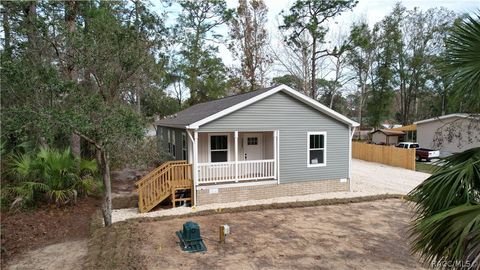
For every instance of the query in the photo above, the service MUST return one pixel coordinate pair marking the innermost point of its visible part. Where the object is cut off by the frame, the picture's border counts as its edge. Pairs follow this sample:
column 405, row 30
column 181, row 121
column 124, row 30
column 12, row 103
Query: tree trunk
column 71, row 10
column 75, row 145
column 313, row 91
column 6, row 29
column 102, row 156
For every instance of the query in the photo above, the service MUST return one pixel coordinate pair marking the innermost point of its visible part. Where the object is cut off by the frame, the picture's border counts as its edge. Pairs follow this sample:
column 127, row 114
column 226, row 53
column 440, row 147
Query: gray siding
column 293, row 119
column 162, row 135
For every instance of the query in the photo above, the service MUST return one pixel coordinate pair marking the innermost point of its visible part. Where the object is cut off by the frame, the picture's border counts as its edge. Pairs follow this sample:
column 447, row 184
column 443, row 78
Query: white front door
column 253, row 146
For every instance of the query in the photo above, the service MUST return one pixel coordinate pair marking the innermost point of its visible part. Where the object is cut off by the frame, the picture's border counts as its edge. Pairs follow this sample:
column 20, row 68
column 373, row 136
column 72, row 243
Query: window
column 252, row 141
column 160, row 132
column 174, row 150
column 316, row 149
column 218, row 148
column 184, row 146
column 169, row 142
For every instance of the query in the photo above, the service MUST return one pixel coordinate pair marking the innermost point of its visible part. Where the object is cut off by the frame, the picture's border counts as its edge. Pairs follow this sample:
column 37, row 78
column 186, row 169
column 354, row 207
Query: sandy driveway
column 381, row 179
column 368, row 178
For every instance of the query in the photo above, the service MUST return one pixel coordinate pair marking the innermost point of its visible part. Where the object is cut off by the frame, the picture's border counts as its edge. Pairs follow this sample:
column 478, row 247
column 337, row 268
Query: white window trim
column 210, row 149
column 324, row 133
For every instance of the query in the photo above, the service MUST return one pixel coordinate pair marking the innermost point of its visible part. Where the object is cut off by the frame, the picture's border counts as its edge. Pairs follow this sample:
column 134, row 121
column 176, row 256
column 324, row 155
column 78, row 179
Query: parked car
column 420, row 153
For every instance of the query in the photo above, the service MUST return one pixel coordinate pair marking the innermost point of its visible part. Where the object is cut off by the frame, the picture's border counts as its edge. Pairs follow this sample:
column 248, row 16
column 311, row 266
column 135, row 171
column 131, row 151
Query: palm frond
column 458, row 182
column 445, row 235
column 89, row 166
column 463, row 59
column 22, row 165
column 62, row 196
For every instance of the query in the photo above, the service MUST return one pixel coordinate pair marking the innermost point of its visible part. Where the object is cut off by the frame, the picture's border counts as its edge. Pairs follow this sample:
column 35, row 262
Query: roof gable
column 200, row 114
column 390, row 132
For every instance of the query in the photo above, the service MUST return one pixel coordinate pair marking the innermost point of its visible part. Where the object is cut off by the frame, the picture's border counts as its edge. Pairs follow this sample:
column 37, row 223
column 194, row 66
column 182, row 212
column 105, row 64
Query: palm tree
column 52, row 174
column 447, row 222
column 463, row 61
column 446, row 227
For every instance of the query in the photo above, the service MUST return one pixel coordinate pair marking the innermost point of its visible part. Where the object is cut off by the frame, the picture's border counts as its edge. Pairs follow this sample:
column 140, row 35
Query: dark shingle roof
column 390, row 132
column 202, row 110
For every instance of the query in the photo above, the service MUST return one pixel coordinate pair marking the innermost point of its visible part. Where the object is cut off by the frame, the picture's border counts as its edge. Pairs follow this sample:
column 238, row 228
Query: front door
column 253, row 146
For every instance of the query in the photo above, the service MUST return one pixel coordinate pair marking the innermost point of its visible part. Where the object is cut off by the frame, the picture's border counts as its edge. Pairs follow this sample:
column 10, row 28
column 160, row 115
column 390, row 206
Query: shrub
column 139, row 154
column 52, row 175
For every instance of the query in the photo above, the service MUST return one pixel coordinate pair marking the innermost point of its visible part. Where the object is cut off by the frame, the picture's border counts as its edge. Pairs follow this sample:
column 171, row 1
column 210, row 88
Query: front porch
column 232, row 157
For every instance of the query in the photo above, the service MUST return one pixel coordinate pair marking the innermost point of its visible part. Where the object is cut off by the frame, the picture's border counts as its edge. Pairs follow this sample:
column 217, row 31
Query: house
column 386, row 136
column 263, row 144
column 450, row 133
column 410, row 132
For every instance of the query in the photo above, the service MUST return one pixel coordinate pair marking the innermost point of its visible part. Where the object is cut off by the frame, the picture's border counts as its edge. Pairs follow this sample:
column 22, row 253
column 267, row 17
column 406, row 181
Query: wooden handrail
column 159, row 184
column 159, row 170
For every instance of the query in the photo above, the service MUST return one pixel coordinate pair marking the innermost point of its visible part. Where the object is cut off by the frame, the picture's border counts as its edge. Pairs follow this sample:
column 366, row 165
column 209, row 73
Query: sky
column 370, row 10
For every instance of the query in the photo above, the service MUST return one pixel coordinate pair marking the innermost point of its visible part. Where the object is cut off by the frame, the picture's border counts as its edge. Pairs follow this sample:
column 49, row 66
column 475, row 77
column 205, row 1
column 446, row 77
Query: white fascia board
column 461, row 115
column 286, row 89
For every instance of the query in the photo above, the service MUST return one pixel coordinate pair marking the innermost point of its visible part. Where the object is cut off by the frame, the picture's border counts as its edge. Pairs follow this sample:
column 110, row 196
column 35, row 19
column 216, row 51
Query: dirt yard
column 33, row 230
column 67, row 256
column 368, row 235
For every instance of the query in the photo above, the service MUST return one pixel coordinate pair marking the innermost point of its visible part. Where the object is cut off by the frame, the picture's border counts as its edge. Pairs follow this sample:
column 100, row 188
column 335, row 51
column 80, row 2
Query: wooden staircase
column 166, row 181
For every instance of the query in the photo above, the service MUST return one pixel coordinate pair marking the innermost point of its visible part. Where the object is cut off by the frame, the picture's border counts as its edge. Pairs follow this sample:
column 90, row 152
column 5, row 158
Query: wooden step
column 164, row 182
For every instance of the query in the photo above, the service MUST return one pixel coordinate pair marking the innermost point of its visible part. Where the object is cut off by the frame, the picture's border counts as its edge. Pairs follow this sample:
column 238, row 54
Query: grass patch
column 425, row 167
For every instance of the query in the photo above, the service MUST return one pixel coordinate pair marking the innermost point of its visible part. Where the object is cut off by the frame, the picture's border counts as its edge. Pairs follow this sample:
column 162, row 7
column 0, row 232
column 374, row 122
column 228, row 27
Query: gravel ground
column 368, row 179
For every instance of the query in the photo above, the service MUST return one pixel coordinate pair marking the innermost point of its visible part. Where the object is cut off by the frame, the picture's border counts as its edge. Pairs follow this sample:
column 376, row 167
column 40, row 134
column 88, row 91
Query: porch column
column 236, row 155
column 352, row 130
column 275, row 154
column 195, row 167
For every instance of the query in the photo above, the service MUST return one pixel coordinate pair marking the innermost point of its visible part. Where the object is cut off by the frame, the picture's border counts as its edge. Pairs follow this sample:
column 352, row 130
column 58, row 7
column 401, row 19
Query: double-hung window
column 169, row 141
column 218, row 148
column 174, row 150
column 184, row 146
column 316, row 149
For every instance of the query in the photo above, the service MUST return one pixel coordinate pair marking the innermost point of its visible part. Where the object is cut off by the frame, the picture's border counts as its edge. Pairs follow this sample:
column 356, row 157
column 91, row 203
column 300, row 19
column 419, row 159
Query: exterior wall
column 259, row 192
column 426, row 135
column 293, row 119
column 379, row 137
column 162, row 135
column 392, row 140
column 203, row 150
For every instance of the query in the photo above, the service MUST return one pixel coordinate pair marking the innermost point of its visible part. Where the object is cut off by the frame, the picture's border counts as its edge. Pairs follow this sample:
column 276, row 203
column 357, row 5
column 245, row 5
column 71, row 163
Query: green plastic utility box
column 190, row 239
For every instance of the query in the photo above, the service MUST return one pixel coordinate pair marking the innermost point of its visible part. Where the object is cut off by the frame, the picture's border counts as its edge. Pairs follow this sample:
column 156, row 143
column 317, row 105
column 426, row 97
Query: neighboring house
column 450, row 133
column 268, row 143
column 362, row 134
column 386, row 136
column 410, row 132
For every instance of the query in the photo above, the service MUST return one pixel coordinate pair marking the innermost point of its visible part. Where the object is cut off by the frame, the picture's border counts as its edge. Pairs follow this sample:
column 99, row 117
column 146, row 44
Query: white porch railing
column 218, row 172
